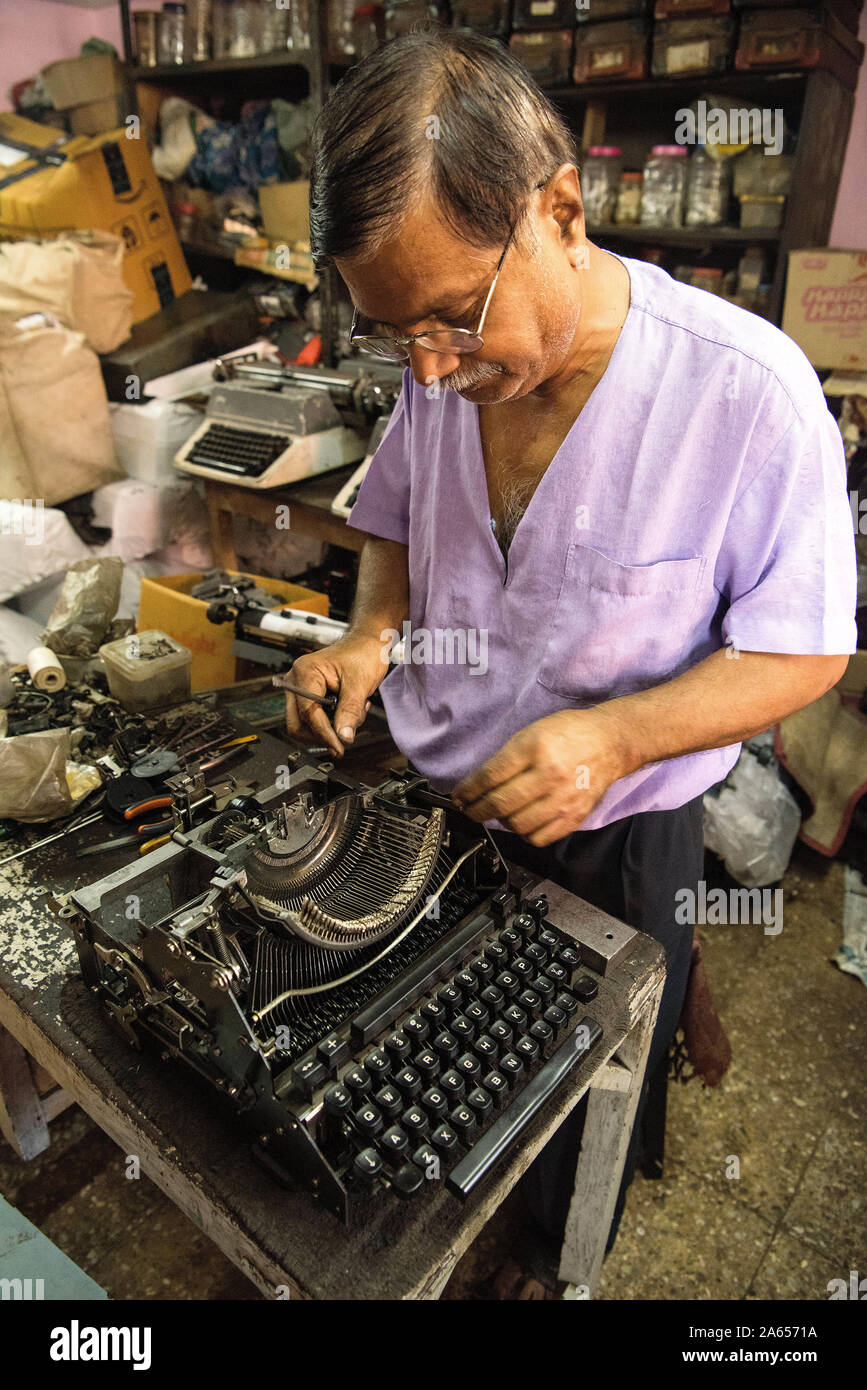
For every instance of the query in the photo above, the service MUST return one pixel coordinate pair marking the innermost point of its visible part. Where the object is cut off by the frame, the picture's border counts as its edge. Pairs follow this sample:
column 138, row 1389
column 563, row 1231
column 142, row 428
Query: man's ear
column 567, row 206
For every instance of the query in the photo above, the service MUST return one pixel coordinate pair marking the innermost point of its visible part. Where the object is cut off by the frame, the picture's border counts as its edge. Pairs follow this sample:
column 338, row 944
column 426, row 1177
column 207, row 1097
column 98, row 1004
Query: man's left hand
column 546, row 780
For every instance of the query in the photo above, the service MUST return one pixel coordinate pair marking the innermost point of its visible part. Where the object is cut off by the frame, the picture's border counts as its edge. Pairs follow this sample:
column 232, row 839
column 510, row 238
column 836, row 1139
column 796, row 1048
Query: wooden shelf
column 683, row 236
column 726, row 82
column 216, row 67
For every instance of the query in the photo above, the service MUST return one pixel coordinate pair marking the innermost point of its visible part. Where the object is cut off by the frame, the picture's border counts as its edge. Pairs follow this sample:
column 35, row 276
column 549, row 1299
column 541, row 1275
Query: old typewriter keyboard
column 447, row 1087
column 248, row 452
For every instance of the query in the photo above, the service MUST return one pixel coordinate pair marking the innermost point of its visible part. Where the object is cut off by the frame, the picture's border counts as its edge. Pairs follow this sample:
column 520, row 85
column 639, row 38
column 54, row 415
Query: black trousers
column 632, row 869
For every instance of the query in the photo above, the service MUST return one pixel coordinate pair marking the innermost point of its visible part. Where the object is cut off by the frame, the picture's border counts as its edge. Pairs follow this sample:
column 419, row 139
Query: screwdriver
column 328, row 702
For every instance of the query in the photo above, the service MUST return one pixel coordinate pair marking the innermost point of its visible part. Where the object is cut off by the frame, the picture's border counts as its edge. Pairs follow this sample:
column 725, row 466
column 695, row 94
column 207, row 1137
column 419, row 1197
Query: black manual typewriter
column 352, row 969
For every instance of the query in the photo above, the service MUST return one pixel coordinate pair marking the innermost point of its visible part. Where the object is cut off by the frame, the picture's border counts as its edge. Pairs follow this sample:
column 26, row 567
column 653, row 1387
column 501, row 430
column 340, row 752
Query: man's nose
column 426, row 364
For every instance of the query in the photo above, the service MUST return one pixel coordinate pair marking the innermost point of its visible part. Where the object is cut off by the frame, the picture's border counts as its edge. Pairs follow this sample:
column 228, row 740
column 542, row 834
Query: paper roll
column 45, row 670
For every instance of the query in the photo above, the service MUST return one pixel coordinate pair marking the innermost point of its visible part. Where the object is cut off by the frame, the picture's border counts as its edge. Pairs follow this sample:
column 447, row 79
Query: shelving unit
column 640, row 114
column 232, row 73
column 635, row 115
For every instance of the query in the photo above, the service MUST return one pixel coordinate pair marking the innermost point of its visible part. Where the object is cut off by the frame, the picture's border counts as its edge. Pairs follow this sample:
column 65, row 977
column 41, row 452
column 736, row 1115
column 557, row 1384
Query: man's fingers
column 511, row 760
column 308, row 722
column 507, row 798
column 351, row 710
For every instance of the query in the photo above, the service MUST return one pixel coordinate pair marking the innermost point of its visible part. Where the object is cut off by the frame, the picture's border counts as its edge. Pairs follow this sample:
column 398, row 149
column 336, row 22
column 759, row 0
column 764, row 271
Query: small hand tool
column 328, row 702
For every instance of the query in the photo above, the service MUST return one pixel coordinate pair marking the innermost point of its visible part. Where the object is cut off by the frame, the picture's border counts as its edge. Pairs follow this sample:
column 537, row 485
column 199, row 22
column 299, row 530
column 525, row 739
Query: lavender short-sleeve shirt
column 698, row 501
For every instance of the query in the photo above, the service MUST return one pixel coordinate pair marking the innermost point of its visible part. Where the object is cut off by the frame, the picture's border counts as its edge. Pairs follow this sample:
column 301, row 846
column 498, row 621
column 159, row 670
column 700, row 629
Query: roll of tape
column 45, row 670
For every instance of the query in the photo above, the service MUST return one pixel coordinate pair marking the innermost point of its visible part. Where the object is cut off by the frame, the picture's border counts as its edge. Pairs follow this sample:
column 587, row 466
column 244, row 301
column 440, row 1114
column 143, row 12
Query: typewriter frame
column 155, row 984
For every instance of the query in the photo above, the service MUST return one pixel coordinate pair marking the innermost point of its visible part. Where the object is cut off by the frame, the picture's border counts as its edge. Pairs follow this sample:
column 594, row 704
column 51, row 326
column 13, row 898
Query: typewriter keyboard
column 238, row 451
column 466, row 1061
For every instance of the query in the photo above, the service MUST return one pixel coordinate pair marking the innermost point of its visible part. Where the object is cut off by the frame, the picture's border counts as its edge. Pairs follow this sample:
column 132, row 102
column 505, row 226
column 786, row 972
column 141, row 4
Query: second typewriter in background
column 353, row 972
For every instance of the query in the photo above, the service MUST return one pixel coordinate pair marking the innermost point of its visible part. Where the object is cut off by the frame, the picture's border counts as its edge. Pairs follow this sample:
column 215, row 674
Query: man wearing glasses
column 633, row 488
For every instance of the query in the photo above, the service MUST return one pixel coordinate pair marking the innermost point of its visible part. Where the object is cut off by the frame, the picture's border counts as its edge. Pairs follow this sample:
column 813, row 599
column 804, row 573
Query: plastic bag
column 752, row 820
column 87, row 604
column 33, row 785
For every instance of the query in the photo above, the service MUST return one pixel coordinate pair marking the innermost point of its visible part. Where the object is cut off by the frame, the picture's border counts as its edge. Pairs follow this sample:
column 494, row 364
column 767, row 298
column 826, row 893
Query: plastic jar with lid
column 172, row 41
column 628, row 209
column 600, row 179
column 662, row 193
column 146, row 44
column 708, row 188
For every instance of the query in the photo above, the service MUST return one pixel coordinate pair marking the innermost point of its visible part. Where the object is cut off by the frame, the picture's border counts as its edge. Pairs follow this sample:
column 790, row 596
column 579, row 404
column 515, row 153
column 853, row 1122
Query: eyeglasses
column 447, row 340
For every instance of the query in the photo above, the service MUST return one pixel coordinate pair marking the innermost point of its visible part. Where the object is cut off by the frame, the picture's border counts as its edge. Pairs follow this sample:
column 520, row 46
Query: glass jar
column 341, row 47
column 402, row 15
column 299, row 24
column 146, row 28
column 600, row 180
column 274, row 30
column 172, row 44
column 628, row 209
column 200, row 26
column 663, row 189
column 244, row 28
column 368, row 29
column 707, row 190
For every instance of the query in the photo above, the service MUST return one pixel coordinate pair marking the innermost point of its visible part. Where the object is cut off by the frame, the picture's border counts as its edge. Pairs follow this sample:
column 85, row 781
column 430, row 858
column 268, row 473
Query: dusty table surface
column 195, row 1150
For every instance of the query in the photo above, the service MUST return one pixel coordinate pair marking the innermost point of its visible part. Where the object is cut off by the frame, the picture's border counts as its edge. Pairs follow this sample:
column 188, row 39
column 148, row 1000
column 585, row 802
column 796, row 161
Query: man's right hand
column 352, row 668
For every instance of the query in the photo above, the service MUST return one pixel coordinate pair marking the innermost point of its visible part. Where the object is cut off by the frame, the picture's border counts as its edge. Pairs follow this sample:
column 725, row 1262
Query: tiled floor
column 791, row 1112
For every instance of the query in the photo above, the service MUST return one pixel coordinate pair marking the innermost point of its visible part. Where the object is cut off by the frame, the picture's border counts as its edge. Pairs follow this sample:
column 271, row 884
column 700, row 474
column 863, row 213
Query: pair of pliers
column 149, row 833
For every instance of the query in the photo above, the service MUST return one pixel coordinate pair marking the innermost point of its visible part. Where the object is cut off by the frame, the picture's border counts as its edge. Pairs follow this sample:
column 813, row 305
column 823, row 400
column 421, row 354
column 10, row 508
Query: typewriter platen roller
column 352, row 970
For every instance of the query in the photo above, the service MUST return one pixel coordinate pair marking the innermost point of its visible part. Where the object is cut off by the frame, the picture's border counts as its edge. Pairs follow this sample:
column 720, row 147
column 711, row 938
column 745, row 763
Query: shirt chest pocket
column 619, row 628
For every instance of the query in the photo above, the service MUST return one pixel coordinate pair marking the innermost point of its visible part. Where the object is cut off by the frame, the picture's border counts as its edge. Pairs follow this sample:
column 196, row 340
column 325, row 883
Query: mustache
column 465, row 378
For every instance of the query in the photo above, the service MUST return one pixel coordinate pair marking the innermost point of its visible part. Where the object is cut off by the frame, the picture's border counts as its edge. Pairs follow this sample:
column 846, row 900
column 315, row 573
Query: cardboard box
column 166, row 603
column 94, row 117
column 285, row 210
column 73, row 81
column 825, row 308
column 105, row 181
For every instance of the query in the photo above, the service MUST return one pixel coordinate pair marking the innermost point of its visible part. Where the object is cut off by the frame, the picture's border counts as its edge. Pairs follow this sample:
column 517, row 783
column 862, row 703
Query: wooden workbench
column 201, row 1158
column 309, row 504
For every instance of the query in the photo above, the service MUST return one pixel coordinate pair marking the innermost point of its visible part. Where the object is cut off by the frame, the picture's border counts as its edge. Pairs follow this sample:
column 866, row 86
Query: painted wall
column 849, row 228
column 35, row 32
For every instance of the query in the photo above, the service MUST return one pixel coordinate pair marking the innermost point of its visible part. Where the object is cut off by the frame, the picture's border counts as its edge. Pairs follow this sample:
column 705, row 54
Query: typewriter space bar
column 504, row 1131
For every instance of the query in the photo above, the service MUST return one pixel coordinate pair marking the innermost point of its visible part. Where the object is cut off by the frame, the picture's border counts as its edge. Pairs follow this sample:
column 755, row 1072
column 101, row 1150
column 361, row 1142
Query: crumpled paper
column 84, row 612
column 33, row 785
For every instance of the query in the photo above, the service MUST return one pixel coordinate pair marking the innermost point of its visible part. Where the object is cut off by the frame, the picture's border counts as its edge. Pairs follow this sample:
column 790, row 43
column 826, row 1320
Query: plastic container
column 146, row 27
column 200, row 27
column 708, row 186
column 606, row 51
column 664, row 187
column 547, row 55
column 299, row 25
column 274, row 33
column 692, row 45
column 594, row 11
column 757, row 211
column 489, row 17
column 172, row 34
column 402, row 15
column 752, row 270
column 600, row 181
column 543, row 14
column 759, row 172
column 147, row 669
column 674, row 9
column 628, row 209
column 799, row 38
